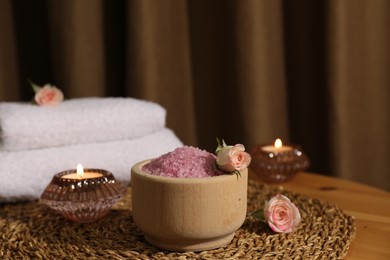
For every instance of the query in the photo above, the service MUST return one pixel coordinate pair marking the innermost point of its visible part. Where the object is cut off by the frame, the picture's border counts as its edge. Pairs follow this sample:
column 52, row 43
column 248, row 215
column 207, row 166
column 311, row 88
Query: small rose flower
column 232, row 158
column 48, row 95
column 281, row 214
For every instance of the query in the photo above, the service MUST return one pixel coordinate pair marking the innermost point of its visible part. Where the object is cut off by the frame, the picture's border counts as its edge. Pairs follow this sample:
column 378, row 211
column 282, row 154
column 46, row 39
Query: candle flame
column 278, row 143
column 80, row 170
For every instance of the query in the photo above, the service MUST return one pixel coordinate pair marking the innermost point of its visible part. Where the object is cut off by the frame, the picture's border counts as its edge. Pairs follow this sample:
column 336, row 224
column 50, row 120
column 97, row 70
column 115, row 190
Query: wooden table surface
column 370, row 207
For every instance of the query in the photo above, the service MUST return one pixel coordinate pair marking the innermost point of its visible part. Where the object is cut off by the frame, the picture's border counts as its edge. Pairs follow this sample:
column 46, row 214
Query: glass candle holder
column 278, row 165
column 83, row 199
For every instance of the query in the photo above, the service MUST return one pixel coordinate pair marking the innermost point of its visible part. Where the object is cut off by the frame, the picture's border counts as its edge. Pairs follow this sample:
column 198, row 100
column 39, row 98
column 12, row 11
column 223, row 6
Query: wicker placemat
column 32, row 230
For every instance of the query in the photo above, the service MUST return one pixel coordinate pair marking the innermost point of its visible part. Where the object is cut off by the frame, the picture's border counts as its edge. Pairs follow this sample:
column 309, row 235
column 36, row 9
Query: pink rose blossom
column 48, row 95
column 281, row 214
column 233, row 158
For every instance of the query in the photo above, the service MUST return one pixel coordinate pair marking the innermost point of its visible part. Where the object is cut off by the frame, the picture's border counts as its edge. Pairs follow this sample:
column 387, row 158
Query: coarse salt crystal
column 184, row 162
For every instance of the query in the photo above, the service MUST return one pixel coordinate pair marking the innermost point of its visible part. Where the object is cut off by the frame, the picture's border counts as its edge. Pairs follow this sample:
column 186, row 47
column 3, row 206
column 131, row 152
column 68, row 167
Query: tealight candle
column 278, row 163
column 83, row 195
column 278, row 147
column 80, row 174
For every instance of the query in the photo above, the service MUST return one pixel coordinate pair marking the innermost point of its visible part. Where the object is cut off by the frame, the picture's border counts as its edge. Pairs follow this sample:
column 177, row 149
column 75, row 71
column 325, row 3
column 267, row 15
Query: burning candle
column 83, row 195
column 278, row 163
column 80, row 174
column 278, row 147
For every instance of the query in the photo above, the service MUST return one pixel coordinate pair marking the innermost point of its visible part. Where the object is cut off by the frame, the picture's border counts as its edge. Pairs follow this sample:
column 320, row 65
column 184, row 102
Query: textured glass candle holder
column 83, row 200
column 278, row 166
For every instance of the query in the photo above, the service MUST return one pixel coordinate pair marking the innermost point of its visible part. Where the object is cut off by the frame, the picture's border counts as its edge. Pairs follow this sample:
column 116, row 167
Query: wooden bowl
column 188, row 214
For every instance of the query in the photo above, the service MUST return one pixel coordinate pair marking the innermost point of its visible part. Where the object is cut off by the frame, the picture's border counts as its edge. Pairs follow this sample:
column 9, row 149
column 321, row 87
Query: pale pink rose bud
column 281, row 214
column 233, row 158
column 48, row 95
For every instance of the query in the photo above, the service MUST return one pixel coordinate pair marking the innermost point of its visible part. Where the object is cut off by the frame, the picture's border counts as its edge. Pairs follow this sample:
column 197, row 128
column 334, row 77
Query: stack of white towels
column 37, row 142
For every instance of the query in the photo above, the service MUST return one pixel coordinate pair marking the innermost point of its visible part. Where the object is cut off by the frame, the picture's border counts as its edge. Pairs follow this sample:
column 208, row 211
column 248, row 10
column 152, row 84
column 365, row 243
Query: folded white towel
column 77, row 121
column 25, row 174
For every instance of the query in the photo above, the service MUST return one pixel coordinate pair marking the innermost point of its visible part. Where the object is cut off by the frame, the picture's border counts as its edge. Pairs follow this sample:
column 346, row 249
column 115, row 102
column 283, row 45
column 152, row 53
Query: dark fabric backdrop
column 315, row 73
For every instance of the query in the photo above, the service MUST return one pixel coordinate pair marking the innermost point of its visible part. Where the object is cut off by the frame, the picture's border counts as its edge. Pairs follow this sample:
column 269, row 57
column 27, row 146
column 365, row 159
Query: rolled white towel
column 25, row 174
column 26, row 126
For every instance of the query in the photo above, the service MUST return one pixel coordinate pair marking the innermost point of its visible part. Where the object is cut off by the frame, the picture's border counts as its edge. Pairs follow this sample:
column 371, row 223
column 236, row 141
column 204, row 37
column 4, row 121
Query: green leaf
column 219, row 147
column 238, row 173
column 218, row 142
column 34, row 86
column 259, row 214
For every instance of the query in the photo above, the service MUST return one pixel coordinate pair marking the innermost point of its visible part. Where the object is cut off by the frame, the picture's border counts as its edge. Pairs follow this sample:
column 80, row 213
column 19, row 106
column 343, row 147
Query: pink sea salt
column 184, row 162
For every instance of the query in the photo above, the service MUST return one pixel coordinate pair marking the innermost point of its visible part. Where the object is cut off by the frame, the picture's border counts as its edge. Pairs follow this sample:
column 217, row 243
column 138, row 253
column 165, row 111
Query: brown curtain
column 314, row 73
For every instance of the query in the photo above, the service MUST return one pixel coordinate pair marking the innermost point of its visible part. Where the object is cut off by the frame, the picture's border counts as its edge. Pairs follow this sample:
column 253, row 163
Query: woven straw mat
column 34, row 231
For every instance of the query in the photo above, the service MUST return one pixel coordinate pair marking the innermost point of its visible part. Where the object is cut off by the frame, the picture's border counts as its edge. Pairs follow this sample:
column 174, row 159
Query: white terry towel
column 25, row 174
column 26, row 126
